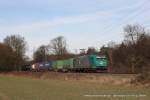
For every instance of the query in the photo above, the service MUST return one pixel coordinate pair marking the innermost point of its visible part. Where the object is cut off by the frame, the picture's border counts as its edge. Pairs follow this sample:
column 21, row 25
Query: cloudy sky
column 84, row 23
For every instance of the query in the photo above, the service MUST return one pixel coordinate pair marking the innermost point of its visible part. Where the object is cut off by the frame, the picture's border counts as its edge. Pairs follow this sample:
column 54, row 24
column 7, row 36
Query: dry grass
column 100, row 78
column 67, row 86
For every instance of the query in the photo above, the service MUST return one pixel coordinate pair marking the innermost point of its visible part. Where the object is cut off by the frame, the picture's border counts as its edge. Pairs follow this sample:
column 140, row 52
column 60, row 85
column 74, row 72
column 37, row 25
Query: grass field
column 23, row 88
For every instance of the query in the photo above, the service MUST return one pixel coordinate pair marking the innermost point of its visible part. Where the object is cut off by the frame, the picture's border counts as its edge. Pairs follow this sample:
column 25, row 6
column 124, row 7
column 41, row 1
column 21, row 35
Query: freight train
column 81, row 63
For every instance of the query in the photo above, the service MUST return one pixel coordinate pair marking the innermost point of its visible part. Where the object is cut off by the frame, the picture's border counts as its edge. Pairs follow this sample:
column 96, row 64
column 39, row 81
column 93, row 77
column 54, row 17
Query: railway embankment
column 99, row 78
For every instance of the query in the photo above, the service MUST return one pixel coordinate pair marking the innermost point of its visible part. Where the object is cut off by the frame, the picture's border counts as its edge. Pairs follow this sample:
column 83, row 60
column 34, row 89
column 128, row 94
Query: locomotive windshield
column 101, row 61
column 101, row 57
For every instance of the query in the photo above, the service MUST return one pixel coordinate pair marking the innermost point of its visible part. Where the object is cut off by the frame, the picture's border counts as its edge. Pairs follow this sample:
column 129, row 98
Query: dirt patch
column 4, row 97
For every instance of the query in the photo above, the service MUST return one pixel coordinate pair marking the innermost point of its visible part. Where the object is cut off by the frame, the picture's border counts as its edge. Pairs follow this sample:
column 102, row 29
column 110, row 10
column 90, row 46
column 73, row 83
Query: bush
column 143, row 78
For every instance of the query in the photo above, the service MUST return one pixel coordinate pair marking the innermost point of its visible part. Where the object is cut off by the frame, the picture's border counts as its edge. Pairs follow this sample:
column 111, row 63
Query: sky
column 84, row 23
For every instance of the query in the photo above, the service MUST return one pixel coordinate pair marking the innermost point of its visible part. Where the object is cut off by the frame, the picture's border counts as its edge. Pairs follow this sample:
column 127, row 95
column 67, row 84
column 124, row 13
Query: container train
column 81, row 63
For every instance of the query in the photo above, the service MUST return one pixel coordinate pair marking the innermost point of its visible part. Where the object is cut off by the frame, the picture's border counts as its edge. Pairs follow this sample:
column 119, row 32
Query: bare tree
column 133, row 33
column 58, row 46
column 18, row 45
column 41, row 54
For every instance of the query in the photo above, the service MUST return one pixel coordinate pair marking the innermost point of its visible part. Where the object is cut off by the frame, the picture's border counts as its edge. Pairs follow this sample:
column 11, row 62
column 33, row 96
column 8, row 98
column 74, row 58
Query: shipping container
column 58, row 64
column 68, row 64
column 82, row 62
column 42, row 66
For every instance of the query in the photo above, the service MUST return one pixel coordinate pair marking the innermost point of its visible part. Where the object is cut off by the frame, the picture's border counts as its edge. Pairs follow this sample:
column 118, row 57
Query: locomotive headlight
column 33, row 66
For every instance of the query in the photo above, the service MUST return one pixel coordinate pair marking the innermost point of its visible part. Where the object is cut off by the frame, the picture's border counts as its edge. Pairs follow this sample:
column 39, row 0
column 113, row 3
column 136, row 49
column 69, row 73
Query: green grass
column 20, row 88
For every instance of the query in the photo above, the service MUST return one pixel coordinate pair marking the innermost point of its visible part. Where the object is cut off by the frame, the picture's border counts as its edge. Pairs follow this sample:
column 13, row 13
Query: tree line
column 130, row 56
